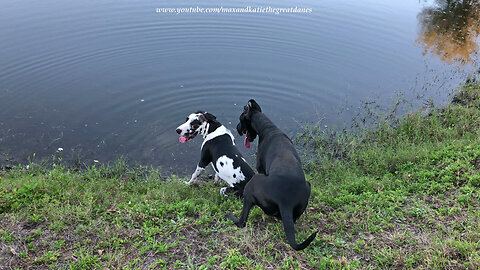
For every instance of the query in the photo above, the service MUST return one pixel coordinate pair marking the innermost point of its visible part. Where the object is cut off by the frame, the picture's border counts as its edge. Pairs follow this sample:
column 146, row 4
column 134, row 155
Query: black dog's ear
column 246, row 109
column 254, row 105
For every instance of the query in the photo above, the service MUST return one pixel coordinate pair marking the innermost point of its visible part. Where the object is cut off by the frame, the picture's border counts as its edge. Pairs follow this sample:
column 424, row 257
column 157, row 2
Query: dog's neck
column 260, row 122
column 207, row 128
column 212, row 127
column 220, row 130
column 203, row 129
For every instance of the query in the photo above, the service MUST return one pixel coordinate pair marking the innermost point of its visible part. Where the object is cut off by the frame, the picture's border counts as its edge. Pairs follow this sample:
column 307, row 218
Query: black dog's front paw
column 231, row 217
column 235, row 220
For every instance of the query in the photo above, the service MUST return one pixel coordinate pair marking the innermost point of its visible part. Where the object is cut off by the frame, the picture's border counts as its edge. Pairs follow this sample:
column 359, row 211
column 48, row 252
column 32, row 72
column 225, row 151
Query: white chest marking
column 222, row 130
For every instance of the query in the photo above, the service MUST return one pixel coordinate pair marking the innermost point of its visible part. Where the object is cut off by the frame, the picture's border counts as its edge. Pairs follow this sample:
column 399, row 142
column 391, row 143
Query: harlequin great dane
column 218, row 148
column 279, row 189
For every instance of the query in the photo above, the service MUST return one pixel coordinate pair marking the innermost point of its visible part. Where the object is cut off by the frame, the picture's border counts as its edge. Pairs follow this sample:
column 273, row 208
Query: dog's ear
column 210, row 117
column 253, row 105
column 246, row 109
column 201, row 117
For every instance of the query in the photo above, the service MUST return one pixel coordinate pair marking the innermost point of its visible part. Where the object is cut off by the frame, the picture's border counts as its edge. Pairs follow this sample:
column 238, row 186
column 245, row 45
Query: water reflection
column 450, row 30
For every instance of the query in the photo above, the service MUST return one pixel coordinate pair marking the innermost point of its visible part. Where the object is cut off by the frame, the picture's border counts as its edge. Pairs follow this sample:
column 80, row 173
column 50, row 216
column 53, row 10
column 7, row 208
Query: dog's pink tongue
column 247, row 143
column 182, row 139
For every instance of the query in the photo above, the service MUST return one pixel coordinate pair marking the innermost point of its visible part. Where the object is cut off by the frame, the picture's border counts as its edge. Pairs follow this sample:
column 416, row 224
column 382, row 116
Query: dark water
column 102, row 79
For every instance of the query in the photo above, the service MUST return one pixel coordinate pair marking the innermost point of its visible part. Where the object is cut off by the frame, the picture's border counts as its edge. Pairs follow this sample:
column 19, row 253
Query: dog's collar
column 221, row 130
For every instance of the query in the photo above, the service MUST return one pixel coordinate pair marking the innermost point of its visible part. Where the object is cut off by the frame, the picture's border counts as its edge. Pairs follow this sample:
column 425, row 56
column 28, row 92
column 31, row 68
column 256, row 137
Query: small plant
column 85, row 260
column 48, row 258
column 235, row 260
column 7, row 237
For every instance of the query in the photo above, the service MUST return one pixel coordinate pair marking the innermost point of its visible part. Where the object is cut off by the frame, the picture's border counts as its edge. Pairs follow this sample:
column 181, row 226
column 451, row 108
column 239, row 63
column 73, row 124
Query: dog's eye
column 195, row 123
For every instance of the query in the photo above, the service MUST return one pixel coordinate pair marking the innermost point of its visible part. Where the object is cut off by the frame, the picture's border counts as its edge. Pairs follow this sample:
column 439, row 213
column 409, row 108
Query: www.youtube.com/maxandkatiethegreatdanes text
column 247, row 9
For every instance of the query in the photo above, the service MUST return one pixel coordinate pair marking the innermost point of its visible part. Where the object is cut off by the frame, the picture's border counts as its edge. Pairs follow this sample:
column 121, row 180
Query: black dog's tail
column 288, row 227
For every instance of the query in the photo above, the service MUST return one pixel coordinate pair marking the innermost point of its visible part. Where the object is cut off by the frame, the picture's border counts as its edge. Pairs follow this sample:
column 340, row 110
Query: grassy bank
column 403, row 195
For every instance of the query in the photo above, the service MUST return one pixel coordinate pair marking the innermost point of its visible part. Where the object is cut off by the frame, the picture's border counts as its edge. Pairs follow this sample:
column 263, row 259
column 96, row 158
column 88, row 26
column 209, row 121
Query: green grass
column 402, row 194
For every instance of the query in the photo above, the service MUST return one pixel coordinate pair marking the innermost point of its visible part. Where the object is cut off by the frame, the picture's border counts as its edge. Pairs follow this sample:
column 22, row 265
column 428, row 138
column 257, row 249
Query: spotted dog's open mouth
column 184, row 139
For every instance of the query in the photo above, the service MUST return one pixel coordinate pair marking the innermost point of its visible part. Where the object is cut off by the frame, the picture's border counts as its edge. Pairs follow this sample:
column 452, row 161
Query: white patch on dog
column 223, row 191
column 221, row 130
column 227, row 172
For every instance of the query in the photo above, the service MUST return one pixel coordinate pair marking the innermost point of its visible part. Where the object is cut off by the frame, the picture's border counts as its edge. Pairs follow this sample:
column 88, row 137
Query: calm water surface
column 102, row 79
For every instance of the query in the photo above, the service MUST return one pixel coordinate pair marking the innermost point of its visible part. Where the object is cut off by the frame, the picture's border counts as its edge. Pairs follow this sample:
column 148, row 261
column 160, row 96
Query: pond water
column 103, row 79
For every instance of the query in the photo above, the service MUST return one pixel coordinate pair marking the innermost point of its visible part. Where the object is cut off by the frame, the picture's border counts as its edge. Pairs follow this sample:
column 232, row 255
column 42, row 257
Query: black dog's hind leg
column 240, row 222
column 249, row 200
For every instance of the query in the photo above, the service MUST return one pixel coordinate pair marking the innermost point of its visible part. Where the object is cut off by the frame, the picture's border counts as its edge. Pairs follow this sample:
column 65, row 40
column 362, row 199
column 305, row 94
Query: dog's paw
column 192, row 181
column 217, row 179
column 230, row 216
column 235, row 220
column 223, row 191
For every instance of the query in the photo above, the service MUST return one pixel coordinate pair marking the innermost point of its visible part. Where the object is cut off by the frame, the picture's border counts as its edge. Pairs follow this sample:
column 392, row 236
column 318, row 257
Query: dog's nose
column 179, row 131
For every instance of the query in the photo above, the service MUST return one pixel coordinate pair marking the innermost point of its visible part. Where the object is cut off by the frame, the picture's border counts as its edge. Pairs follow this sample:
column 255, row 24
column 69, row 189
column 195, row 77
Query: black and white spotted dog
column 219, row 149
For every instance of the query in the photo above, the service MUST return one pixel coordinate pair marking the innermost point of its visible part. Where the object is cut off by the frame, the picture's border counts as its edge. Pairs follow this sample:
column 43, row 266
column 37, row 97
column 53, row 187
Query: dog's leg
column 204, row 161
column 240, row 222
column 228, row 190
column 248, row 201
column 217, row 179
column 195, row 174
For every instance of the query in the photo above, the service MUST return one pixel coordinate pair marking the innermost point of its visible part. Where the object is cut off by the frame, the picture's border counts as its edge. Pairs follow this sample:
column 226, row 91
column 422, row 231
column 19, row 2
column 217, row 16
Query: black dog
column 219, row 149
column 279, row 189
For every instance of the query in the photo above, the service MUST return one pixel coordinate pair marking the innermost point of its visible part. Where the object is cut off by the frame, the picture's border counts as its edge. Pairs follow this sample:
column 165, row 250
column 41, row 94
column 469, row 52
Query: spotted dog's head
column 196, row 123
column 245, row 127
